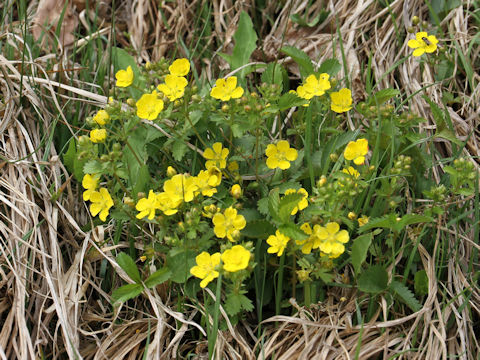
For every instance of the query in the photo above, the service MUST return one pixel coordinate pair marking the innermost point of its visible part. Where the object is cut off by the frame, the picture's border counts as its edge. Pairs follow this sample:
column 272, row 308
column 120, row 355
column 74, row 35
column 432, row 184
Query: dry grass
column 51, row 300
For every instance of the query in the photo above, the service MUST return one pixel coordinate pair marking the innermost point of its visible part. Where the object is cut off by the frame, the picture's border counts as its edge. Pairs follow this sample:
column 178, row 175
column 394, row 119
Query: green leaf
column 262, row 206
column 382, row 96
column 179, row 149
column 70, row 156
column 404, row 293
column 92, row 167
column 287, row 204
column 293, row 231
column 126, row 292
column 289, row 100
column 258, row 229
column 129, row 266
column 273, row 203
column 448, row 135
column 301, row 58
column 330, row 66
column 359, row 251
column 437, row 113
column 236, row 303
column 179, row 262
column 158, row 277
column 373, row 280
column 245, row 43
column 390, row 222
column 143, row 179
column 273, row 74
column 421, row 283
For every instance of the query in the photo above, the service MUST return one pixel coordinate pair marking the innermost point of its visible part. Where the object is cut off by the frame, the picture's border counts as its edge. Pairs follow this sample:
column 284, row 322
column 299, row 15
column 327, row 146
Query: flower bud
column 131, row 102
column 415, row 20
column 148, row 65
column 83, row 140
column 236, row 191
column 304, row 275
column 322, row 181
column 128, row 201
column 171, row 172
column 333, row 157
column 225, row 108
column 351, row 215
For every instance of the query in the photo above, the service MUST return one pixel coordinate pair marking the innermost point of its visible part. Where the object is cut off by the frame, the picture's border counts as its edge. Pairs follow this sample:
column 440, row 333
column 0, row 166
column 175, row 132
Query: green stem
column 308, row 150
column 278, row 296
column 307, row 293
column 212, row 338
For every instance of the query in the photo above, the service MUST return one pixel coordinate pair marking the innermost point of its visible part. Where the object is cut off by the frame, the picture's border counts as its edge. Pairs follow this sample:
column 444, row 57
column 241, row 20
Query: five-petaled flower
column 277, row 243
column 174, row 87
column 226, row 89
column 216, row 156
column 280, row 155
column 124, row 77
column 205, row 268
column 356, row 151
column 181, row 188
column 341, row 101
column 147, row 206
column 313, row 241
column 236, row 258
column 90, row 183
column 332, row 239
column 228, row 224
column 101, row 202
column 363, row 220
column 101, row 117
column 206, row 183
column 423, row 43
column 303, row 203
column 98, row 135
column 149, row 106
column 180, row 67
column 314, row 86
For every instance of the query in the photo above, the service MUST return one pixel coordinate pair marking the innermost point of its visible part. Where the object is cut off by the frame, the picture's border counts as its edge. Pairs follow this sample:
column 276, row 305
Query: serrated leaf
column 448, row 135
column 373, row 280
column 289, row 100
column 262, row 206
column 258, row 229
column 245, row 43
column 411, row 219
column 330, row 66
column 92, row 167
column 405, row 295
column 273, row 203
column 158, row 277
column 143, row 178
column 359, row 251
column 301, row 58
column 126, row 292
column 287, row 204
column 233, row 304
column 246, row 303
column 421, row 283
column 180, row 261
column 292, row 231
column 129, row 266
column 437, row 113
column 179, row 149
column 382, row 96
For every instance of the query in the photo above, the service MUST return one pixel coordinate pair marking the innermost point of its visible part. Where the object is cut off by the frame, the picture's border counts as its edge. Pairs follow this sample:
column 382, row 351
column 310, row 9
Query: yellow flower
column 226, row 89
column 233, row 166
column 180, row 187
column 124, row 77
column 171, row 171
column 236, row 258
column 341, row 101
column 313, row 241
column 356, row 151
column 101, row 117
column 294, row 92
column 304, row 275
column 206, row 183
column 280, row 155
column 228, row 224
column 101, row 203
column 98, row 135
column 147, row 206
column 216, row 156
column 89, row 183
column 236, row 191
column 303, row 203
column 180, row 67
column 149, row 106
column 423, row 43
column 351, row 171
column 314, row 86
column 277, row 243
column 214, row 171
column 363, row 220
column 167, row 204
column 205, row 268
column 332, row 239
column 174, row 87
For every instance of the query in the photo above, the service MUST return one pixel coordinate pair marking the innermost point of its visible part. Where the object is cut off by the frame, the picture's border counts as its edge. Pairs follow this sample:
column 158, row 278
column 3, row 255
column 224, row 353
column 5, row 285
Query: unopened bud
column 236, row 191
column 171, row 172
column 131, row 102
column 351, row 215
column 415, row 20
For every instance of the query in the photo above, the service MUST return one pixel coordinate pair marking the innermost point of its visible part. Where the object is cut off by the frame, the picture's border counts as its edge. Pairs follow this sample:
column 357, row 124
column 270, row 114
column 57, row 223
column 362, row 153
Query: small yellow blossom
column 210, row 210
column 149, row 106
column 98, row 135
column 304, row 275
column 101, row 117
column 332, row 239
column 171, row 171
column 227, row 223
column 341, row 101
column 236, row 191
column 167, row 204
column 101, row 202
column 303, row 203
column 351, row 215
column 216, row 156
column 124, row 77
column 147, row 206
column 277, row 243
column 363, row 220
column 423, row 43
column 356, row 151
column 352, row 172
column 214, row 171
column 280, row 155
column 143, row 258
column 294, row 92
column 226, row 89
column 313, row 241
column 236, row 258
column 205, row 268
column 314, row 86
column 179, row 67
column 89, row 183
column 174, row 87
column 205, row 183
column 180, row 187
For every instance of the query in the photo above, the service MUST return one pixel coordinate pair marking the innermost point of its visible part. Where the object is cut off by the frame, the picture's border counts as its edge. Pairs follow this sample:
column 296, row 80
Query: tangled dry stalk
column 51, row 298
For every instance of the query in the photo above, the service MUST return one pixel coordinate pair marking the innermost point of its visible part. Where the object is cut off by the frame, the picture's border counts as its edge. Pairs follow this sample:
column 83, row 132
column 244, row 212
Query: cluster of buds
column 270, row 90
column 401, row 165
column 437, row 193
